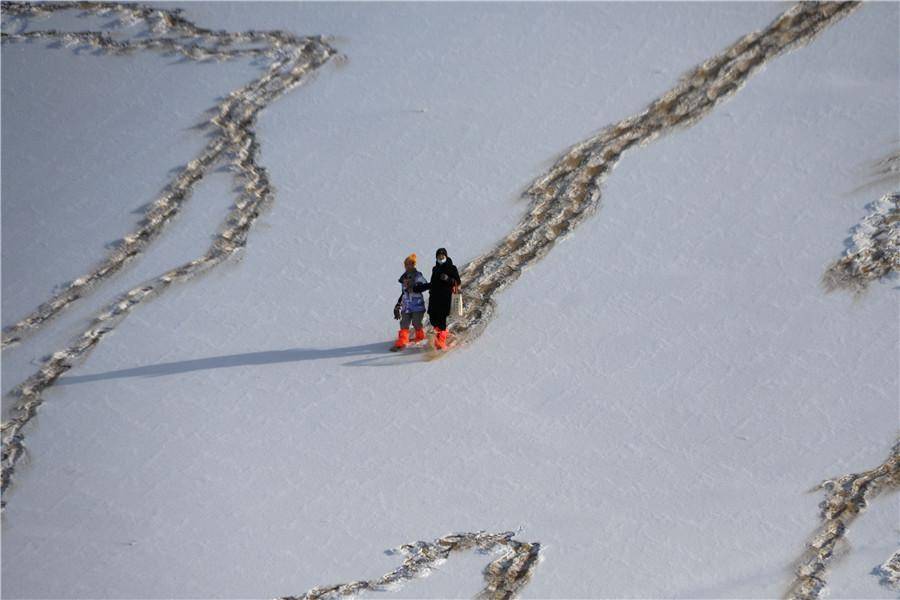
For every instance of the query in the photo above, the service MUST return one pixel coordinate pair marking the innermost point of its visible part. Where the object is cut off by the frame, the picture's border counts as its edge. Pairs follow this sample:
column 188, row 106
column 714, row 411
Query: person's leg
column 440, row 330
column 403, row 334
column 417, row 323
column 439, row 321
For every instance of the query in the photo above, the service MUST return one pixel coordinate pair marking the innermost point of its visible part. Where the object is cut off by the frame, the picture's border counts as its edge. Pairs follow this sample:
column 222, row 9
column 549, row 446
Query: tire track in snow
column 848, row 497
column 504, row 577
column 875, row 250
column 234, row 140
column 569, row 193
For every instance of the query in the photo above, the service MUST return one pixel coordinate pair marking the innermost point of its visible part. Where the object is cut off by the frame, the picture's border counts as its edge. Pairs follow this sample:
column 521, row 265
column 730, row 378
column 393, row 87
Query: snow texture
column 652, row 400
column 848, row 497
column 875, row 250
column 889, row 572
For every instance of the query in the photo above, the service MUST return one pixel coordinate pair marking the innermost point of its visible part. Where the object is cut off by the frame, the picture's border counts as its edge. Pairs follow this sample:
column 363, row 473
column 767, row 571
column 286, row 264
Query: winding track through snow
column 560, row 201
column 292, row 58
column 570, row 192
column 848, row 497
column 234, row 140
column 504, row 577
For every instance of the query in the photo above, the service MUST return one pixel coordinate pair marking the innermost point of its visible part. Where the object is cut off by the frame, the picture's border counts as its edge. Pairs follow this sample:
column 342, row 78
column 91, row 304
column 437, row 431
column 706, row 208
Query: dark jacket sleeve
column 421, row 284
column 455, row 275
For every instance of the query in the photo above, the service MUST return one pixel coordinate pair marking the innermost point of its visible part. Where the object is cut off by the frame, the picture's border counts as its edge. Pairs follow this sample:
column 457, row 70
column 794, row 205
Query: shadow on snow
column 372, row 355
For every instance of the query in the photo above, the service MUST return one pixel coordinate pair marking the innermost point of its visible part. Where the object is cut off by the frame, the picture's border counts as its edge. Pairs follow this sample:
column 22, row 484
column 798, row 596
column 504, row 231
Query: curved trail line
column 875, row 252
column 290, row 59
column 560, row 200
column 504, row 577
column 233, row 140
column 564, row 197
column 848, row 497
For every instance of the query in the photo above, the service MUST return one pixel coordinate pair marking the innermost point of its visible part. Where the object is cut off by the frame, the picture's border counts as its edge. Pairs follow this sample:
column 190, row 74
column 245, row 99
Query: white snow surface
column 653, row 402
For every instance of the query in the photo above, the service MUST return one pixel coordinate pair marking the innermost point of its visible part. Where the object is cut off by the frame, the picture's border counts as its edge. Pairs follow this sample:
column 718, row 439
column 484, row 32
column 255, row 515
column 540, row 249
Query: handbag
column 456, row 302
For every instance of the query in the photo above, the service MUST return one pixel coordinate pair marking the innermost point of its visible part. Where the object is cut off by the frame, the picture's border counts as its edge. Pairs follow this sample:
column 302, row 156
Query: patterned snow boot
column 420, row 334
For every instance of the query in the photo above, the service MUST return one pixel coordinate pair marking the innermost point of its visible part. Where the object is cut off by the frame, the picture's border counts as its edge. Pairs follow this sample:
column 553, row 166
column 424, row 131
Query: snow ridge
column 234, row 141
column 875, row 250
column 569, row 193
column 848, row 497
column 889, row 572
column 291, row 59
column 504, row 577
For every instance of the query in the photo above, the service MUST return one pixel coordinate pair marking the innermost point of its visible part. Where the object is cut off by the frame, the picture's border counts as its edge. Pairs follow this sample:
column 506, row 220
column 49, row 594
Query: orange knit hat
column 411, row 257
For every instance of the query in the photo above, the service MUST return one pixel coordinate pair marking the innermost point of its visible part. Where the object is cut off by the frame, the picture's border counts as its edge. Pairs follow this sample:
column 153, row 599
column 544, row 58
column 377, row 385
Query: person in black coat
column 444, row 279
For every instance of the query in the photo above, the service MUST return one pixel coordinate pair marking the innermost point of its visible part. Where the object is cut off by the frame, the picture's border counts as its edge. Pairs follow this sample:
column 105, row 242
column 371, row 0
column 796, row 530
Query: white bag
column 456, row 304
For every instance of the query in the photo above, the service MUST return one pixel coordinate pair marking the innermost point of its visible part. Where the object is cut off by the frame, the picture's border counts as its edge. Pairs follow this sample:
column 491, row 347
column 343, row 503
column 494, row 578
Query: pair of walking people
column 410, row 307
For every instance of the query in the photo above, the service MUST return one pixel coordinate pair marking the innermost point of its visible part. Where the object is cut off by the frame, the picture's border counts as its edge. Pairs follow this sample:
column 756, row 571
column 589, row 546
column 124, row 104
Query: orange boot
column 420, row 334
column 440, row 339
column 402, row 339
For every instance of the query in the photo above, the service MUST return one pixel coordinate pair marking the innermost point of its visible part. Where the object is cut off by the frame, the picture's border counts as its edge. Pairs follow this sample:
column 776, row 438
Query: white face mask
column 441, row 261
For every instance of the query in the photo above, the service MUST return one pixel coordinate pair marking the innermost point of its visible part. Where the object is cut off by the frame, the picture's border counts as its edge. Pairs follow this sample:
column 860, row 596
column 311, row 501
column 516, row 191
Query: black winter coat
column 440, row 289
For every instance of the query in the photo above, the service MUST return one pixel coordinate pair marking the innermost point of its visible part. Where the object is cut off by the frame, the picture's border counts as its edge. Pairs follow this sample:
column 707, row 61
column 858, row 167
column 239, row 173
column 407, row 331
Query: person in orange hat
column 410, row 307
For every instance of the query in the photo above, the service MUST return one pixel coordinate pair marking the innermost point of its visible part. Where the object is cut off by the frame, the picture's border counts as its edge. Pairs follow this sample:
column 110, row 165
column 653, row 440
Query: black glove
column 397, row 312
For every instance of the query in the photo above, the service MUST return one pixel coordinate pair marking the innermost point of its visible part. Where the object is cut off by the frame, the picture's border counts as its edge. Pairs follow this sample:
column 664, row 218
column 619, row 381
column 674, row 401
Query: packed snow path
column 560, row 200
column 889, row 572
column 504, row 577
column 875, row 250
column 570, row 192
column 848, row 496
column 233, row 141
column 522, row 260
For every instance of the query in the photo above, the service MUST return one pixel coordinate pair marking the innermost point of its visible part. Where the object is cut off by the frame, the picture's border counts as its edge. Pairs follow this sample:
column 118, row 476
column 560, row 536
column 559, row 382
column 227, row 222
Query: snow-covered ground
column 652, row 402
